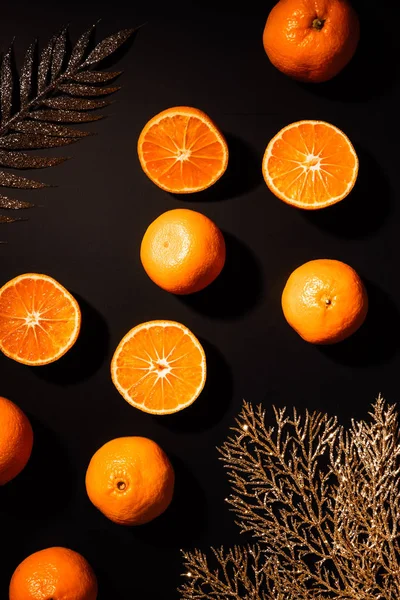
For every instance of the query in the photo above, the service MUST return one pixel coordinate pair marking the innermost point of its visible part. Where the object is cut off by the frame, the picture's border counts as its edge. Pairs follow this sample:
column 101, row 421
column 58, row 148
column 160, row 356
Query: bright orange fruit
column 311, row 40
column 130, row 480
column 16, row 440
column 183, row 251
column 310, row 164
column 159, row 367
column 182, row 151
column 39, row 319
column 325, row 301
column 54, row 574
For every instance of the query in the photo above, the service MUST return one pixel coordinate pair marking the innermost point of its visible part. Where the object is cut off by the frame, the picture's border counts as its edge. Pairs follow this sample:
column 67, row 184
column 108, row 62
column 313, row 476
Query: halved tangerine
column 182, row 151
column 159, row 367
column 310, row 164
column 39, row 319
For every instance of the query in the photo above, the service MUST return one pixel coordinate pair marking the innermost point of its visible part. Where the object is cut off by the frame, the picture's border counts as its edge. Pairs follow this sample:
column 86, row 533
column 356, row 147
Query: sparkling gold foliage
column 322, row 502
column 58, row 86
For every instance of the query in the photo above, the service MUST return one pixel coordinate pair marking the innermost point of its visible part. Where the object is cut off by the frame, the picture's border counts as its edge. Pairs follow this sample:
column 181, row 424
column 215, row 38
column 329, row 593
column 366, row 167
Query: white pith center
column 161, row 367
column 312, row 162
column 183, row 154
column 32, row 319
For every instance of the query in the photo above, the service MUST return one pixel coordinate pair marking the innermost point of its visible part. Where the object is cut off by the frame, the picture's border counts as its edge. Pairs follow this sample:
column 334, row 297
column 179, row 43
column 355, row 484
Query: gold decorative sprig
column 322, row 502
column 240, row 573
column 61, row 88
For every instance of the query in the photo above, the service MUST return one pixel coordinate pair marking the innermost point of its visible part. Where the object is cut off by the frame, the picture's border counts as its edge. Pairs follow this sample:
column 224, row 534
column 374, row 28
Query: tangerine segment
column 310, row 164
column 159, row 367
column 182, row 151
column 39, row 319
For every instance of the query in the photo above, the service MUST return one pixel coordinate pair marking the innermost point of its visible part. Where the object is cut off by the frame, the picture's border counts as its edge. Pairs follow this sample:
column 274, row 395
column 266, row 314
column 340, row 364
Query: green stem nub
column 318, row 24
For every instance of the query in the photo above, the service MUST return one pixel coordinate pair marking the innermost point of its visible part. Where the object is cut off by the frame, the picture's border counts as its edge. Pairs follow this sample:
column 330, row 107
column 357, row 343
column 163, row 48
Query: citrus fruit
column 159, row 367
column 54, row 574
column 39, row 319
column 325, row 301
column 130, row 480
column 183, row 251
column 16, row 440
column 310, row 164
column 311, row 40
column 182, row 151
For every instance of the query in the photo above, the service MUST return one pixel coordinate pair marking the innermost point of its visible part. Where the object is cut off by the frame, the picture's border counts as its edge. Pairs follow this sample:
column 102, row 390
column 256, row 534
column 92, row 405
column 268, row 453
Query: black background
column 87, row 232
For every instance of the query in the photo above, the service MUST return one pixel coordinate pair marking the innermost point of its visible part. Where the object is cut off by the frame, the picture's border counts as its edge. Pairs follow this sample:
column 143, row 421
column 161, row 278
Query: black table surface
column 87, row 231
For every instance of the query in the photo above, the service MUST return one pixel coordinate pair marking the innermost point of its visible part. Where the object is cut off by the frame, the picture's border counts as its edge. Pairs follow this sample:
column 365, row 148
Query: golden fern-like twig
column 323, row 504
column 60, row 87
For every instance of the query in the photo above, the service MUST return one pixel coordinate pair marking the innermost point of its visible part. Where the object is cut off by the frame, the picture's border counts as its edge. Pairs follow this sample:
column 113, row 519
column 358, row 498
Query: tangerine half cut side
column 310, row 165
column 39, row 319
column 159, row 367
column 182, row 151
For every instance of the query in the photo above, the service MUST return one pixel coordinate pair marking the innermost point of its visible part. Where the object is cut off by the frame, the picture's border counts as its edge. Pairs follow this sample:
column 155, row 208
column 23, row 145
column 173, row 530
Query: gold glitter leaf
column 108, row 46
column 60, row 91
column 68, row 103
column 97, row 76
column 7, row 219
column 11, row 203
column 21, row 160
column 65, row 116
column 25, row 80
column 76, row 89
column 58, row 55
column 322, row 502
column 50, row 129
column 33, row 141
column 15, row 181
column 6, row 89
column 80, row 49
column 44, row 65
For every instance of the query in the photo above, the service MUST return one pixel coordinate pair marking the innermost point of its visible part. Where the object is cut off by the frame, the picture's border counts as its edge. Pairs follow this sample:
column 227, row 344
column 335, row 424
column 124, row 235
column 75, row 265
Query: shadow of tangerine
column 376, row 342
column 364, row 210
column 372, row 70
column 243, row 174
column 214, row 401
column 238, row 288
column 180, row 526
column 48, row 476
column 87, row 354
column 170, row 529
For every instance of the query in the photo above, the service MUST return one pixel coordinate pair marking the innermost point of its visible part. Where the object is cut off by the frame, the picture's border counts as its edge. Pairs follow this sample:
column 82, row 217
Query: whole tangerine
column 16, row 440
column 183, row 251
column 325, row 301
column 311, row 40
column 130, row 480
column 54, row 573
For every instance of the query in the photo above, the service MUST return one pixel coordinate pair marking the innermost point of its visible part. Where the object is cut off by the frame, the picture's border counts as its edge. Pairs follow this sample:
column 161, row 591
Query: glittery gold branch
column 323, row 504
column 62, row 88
column 238, row 573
